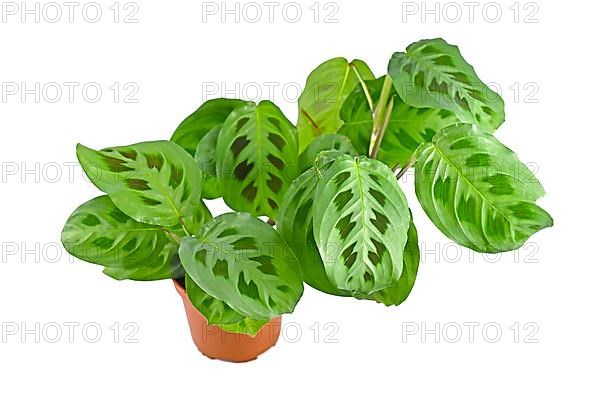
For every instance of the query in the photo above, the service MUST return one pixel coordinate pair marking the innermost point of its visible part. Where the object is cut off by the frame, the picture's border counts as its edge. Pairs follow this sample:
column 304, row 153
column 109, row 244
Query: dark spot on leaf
column 464, row 143
column 116, row 165
column 524, row 210
column 462, row 102
column 247, row 289
column 242, row 170
column 241, row 122
column 377, row 195
column 273, row 204
column 277, row 163
column 476, row 94
column 342, row 199
column 344, row 226
column 419, row 79
column 341, row 178
column 265, row 264
column 128, row 153
column 186, row 192
column 274, row 183
column 379, row 247
column 466, row 211
column 479, row 160
column 374, row 178
column 238, row 145
column 501, row 184
column 227, row 232
column 284, row 288
column 349, row 255
column 244, row 243
column 277, row 140
column 176, row 176
column 487, row 110
column 428, row 134
column 367, row 276
column 272, row 303
column 130, row 245
column 460, row 77
column 381, row 222
column 137, row 184
column 249, row 192
column 154, row 161
column 439, row 88
column 90, row 220
column 221, row 269
column 444, row 114
column 150, row 202
column 275, row 123
column 103, row 242
column 428, row 50
column 200, row 256
column 444, row 60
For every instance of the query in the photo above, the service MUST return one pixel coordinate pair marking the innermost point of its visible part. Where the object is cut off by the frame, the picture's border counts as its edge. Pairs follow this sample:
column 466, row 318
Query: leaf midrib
column 471, row 184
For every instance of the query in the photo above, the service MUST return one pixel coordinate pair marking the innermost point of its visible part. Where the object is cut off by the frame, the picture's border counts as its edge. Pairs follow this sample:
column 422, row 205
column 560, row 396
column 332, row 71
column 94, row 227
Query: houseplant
column 337, row 218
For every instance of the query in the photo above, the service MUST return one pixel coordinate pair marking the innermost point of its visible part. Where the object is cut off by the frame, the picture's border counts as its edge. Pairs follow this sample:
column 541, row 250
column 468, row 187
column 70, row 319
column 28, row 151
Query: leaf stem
column 183, row 226
column 173, row 236
column 411, row 162
column 364, row 87
column 380, row 115
column 382, row 129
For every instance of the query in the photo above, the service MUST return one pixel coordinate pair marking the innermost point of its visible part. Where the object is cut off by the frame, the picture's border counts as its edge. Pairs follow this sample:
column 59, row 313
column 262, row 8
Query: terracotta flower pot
column 215, row 343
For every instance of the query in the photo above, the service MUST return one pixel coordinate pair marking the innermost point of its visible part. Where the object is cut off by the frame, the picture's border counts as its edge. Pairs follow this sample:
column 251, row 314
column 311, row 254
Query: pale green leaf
column 477, row 192
column 153, row 182
column 256, row 159
column 244, row 262
column 321, row 100
column 98, row 232
column 361, row 220
column 433, row 74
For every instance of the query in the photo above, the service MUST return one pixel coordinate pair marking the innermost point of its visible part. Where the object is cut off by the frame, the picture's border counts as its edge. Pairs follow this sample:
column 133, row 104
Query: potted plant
column 336, row 217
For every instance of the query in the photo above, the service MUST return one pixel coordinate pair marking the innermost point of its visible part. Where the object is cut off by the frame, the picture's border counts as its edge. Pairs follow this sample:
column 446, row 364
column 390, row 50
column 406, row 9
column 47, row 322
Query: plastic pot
column 215, row 343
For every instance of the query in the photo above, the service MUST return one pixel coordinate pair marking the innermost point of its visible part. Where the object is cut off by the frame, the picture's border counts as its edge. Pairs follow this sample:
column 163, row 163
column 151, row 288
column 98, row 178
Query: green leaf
column 326, row 89
column 205, row 158
column 99, row 233
column 395, row 295
column 218, row 313
column 433, row 74
column 360, row 224
column 210, row 114
column 257, row 157
column 477, row 192
column 295, row 223
column 155, row 183
column 407, row 129
column 322, row 143
column 244, row 262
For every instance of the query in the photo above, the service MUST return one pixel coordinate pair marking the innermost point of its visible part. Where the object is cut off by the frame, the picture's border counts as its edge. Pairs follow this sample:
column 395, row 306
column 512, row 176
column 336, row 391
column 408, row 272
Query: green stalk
column 364, row 87
column 381, row 117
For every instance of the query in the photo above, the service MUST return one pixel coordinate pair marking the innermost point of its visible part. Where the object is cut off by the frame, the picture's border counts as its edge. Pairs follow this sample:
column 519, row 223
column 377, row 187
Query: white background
column 176, row 59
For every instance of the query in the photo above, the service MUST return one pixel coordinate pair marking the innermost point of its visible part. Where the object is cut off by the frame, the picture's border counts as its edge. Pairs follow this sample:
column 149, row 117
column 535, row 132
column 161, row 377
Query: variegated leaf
column 433, row 74
column 244, row 262
column 98, row 232
column 477, row 192
column 256, row 159
column 153, row 182
column 361, row 220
